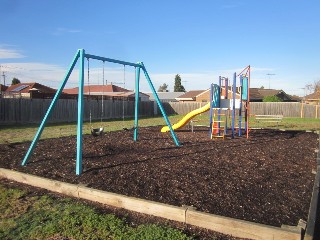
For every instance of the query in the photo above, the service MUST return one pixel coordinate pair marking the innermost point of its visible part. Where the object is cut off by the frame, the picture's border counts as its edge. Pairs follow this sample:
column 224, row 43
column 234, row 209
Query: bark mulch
column 265, row 179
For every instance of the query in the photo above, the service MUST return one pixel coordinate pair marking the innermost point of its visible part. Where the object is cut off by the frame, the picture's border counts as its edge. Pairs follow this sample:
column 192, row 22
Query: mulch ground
column 265, row 179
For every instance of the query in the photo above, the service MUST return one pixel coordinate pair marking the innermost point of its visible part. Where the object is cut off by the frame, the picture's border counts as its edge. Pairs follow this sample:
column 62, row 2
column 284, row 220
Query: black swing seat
column 96, row 131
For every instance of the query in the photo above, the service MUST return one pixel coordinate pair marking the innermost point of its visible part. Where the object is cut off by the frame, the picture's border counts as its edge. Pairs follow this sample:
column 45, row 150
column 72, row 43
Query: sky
column 199, row 40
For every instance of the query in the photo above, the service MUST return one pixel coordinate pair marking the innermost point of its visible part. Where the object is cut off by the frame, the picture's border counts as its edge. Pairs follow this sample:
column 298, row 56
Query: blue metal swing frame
column 81, row 55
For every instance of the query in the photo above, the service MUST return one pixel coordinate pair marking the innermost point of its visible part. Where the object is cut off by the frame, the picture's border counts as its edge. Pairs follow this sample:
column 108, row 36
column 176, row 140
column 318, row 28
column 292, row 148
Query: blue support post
column 226, row 111
column 211, row 109
column 219, row 110
column 50, row 109
column 245, row 98
column 80, row 114
column 240, row 109
column 136, row 109
column 159, row 104
column 234, row 89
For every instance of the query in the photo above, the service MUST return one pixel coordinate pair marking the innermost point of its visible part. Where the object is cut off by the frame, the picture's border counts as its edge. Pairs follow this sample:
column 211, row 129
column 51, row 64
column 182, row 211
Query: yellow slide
column 187, row 118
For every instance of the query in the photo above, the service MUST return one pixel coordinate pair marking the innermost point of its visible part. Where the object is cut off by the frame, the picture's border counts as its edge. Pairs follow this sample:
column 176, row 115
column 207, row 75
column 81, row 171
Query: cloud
column 52, row 75
column 7, row 53
column 61, row 31
column 47, row 74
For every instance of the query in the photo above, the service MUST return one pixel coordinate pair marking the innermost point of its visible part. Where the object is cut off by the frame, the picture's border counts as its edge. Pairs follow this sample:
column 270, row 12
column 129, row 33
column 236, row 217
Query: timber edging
column 314, row 210
column 185, row 214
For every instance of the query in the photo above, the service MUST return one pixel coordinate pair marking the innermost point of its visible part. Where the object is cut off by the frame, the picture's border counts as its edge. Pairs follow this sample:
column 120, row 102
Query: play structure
column 228, row 106
column 81, row 56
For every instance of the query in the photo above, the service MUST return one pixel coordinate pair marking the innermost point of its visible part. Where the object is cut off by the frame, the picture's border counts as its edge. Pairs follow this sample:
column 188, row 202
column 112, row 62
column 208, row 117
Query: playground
column 226, row 168
column 266, row 179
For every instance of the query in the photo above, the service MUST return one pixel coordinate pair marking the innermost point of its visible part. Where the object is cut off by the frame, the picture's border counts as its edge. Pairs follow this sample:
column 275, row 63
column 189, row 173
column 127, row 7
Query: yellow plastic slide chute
column 187, row 118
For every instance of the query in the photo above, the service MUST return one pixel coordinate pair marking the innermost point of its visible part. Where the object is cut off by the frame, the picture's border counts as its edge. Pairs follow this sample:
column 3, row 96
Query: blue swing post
column 160, row 105
column 50, row 109
column 136, row 109
column 80, row 114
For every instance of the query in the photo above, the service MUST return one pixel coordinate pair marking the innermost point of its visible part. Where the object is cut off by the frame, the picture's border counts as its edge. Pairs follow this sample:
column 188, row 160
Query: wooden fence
column 21, row 111
column 287, row 109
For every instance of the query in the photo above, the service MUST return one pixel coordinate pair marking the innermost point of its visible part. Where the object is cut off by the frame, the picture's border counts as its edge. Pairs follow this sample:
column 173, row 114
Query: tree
column 271, row 99
column 313, row 87
column 262, row 87
column 177, row 84
column 163, row 88
column 15, row 81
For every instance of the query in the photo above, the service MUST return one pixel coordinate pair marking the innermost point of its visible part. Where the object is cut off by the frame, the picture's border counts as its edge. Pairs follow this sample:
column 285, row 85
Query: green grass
column 286, row 123
column 21, row 133
column 25, row 216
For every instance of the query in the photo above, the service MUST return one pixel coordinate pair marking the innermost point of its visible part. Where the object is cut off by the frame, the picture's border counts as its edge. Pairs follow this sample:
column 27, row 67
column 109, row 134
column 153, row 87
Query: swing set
column 81, row 55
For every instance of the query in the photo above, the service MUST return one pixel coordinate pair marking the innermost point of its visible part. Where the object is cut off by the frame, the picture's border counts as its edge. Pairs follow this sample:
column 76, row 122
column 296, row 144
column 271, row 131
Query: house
column 110, row 91
column 203, row 95
column 29, row 90
column 256, row 95
column 313, row 98
column 3, row 88
column 165, row 96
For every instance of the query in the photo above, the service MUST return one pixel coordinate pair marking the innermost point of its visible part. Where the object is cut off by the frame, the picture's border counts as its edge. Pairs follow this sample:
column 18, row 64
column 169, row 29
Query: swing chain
column 124, row 86
column 90, row 113
column 102, row 107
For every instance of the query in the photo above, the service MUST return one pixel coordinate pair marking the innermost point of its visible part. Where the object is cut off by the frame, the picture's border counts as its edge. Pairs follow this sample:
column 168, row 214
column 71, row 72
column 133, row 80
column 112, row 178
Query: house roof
column 258, row 93
column 94, row 89
column 107, row 90
column 165, row 95
column 191, row 95
column 295, row 98
column 255, row 94
column 313, row 96
column 25, row 88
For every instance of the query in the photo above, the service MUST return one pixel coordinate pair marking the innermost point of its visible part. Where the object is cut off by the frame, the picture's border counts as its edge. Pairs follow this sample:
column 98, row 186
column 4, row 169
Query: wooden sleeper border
column 185, row 214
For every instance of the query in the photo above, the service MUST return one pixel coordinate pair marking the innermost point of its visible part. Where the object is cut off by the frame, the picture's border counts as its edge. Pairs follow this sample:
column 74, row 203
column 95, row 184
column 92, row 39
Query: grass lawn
column 26, row 216
column 21, row 133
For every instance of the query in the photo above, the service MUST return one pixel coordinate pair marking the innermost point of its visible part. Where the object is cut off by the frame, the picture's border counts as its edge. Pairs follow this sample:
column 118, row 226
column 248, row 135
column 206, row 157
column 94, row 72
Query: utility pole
column 4, row 78
column 270, row 74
